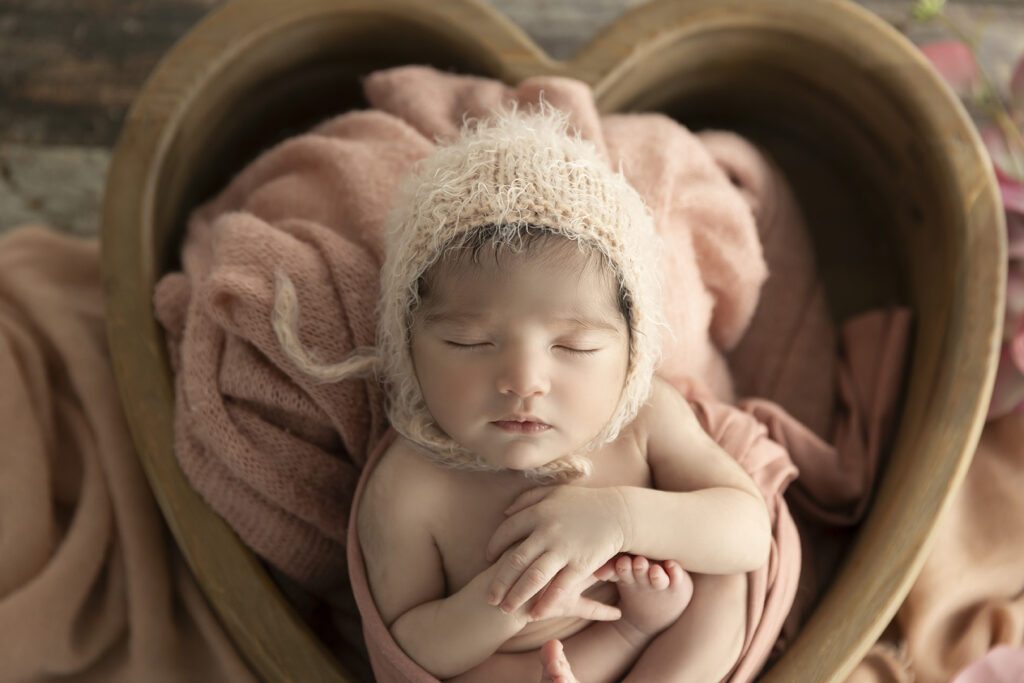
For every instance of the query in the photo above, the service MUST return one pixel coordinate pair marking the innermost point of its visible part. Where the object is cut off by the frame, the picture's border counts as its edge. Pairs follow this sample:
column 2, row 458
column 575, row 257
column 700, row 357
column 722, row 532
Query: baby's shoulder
column 400, row 487
column 395, row 533
column 401, row 464
column 665, row 407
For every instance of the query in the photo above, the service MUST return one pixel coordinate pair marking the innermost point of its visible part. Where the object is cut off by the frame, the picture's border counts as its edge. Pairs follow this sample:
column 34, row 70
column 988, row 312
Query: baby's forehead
column 579, row 289
column 568, row 321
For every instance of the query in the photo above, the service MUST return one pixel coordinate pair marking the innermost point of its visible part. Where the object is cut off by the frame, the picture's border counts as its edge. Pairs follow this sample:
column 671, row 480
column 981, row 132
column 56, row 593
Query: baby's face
column 523, row 361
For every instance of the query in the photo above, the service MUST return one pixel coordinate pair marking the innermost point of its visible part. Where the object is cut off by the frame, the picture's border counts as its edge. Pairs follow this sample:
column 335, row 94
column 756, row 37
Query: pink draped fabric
column 969, row 597
column 92, row 588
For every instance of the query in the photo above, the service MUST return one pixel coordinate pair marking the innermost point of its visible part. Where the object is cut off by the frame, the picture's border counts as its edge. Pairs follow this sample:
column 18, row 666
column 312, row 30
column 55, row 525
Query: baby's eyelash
column 577, row 352
column 482, row 345
column 457, row 345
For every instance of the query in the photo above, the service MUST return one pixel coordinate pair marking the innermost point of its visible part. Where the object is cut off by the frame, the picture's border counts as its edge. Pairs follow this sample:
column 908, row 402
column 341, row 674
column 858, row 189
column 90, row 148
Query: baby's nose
column 524, row 374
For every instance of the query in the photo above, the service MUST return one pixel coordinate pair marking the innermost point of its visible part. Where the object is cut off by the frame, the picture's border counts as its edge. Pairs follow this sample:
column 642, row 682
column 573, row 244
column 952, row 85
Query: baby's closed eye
column 467, row 344
column 576, row 350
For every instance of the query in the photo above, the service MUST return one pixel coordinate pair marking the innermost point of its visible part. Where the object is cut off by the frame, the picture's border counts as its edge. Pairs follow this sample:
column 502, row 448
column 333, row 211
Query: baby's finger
column 513, row 529
column 509, row 568
column 560, row 592
column 587, row 608
column 532, row 581
column 528, row 498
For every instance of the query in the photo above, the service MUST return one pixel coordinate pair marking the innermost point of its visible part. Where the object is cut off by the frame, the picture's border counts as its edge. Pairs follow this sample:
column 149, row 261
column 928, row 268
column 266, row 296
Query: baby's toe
column 679, row 579
column 624, row 569
column 658, row 578
column 640, row 568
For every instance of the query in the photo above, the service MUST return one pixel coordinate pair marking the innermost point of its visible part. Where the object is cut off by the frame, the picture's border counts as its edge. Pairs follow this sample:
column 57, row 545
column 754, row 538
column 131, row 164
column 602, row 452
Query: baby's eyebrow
column 439, row 317
column 598, row 324
column 467, row 317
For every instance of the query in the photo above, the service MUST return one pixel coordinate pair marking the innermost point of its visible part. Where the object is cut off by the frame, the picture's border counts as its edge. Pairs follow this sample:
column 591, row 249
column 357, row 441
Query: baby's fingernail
column 493, row 599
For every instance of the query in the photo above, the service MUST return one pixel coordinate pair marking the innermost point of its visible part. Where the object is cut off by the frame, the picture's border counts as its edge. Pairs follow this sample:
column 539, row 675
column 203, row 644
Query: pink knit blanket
column 280, row 457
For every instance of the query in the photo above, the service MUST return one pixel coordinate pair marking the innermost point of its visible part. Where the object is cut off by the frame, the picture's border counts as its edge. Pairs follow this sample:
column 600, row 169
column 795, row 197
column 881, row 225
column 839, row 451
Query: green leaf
column 926, row 10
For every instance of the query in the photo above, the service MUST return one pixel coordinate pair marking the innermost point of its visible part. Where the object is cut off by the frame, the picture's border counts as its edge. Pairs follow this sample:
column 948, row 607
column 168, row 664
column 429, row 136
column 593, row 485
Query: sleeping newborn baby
column 543, row 488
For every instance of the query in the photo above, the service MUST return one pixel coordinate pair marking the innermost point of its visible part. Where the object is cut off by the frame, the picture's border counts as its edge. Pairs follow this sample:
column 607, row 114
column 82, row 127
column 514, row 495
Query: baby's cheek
column 597, row 391
column 448, row 391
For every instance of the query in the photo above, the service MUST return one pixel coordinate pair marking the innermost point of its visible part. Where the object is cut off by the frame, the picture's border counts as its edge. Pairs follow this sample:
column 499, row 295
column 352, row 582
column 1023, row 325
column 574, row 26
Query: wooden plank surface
column 70, row 70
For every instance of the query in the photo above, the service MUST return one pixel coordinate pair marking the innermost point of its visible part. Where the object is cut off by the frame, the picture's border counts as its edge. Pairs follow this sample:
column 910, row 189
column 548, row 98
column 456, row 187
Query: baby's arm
column 404, row 568
column 448, row 636
column 704, row 510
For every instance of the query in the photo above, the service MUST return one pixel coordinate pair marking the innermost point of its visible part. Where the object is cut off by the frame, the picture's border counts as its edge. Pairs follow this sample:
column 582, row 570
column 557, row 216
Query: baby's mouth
column 521, row 426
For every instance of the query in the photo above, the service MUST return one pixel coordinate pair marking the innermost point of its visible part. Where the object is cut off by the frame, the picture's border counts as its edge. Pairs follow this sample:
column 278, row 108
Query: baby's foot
column 556, row 666
column 652, row 595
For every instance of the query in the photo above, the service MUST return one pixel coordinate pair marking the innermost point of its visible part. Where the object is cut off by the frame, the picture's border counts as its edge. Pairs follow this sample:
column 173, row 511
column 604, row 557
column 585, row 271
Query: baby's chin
column 540, row 464
column 546, row 461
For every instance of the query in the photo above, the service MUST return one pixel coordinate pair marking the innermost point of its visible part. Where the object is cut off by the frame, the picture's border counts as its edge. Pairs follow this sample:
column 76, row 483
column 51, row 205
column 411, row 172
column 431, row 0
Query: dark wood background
column 69, row 70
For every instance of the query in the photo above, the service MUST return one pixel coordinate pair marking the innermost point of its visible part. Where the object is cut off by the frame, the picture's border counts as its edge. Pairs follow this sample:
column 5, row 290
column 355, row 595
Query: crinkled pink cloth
column 969, row 596
column 1001, row 665
column 279, row 457
column 92, row 588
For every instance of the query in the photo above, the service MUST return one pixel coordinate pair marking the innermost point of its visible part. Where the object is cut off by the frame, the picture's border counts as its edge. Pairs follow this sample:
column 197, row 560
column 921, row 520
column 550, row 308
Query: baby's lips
column 521, row 427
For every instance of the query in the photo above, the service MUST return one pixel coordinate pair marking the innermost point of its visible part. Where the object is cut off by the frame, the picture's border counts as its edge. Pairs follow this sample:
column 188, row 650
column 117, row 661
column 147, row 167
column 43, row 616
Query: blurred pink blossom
column 1001, row 130
column 955, row 61
column 1017, row 92
column 1008, row 393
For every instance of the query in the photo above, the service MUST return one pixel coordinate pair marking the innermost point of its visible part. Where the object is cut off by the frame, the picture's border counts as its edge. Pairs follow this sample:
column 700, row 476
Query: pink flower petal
column 954, row 61
column 1011, row 191
column 1014, row 298
column 1015, row 235
column 1017, row 346
column 1017, row 84
column 1008, row 392
column 1002, row 158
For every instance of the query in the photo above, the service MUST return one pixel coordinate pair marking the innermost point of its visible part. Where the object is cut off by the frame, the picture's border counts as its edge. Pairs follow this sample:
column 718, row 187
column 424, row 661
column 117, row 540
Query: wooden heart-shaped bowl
column 893, row 179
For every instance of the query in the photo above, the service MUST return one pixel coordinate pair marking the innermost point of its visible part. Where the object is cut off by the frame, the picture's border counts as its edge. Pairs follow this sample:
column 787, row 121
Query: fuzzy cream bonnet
column 510, row 173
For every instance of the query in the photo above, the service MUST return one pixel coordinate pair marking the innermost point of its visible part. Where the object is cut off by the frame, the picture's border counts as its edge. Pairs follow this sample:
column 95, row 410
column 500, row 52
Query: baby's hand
column 568, row 532
column 574, row 605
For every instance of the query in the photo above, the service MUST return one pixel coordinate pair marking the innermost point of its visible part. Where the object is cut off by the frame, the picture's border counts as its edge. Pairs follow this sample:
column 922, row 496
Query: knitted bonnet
column 513, row 172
